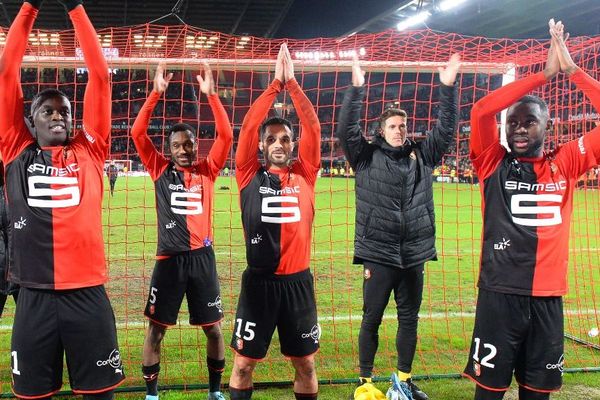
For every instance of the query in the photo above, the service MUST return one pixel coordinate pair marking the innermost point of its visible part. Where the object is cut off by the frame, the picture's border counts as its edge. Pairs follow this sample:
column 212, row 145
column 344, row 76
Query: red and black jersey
column 278, row 206
column 55, row 193
column 527, row 202
column 184, row 196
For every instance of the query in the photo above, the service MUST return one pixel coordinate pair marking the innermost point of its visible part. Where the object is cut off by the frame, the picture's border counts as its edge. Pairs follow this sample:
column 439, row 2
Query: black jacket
column 395, row 221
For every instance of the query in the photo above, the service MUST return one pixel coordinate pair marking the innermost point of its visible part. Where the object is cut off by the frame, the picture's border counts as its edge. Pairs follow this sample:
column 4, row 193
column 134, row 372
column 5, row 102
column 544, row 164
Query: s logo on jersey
column 273, row 211
column 528, row 204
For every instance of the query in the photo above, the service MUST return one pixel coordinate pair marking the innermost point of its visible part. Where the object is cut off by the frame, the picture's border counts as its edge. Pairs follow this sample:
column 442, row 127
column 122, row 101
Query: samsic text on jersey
column 277, row 216
column 527, row 206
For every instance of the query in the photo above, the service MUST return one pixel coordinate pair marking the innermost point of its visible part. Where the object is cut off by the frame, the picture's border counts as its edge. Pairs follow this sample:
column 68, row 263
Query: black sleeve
column 439, row 138
column 348, row 129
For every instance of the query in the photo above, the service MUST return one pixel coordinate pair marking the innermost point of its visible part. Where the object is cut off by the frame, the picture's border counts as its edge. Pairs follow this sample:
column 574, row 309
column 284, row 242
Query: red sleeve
column 591, row 88
column 97, row 98
column 484, row 129
column 309, row 145
column 577, row 156
column 220, row 148
column 14, row 134
column 154, row 162
column 246, row 162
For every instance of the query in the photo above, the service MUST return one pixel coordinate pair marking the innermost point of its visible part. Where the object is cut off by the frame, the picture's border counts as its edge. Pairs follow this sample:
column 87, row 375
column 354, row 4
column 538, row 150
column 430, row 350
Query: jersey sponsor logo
column 216, row 303
column 502, row 245
column 287, row 190
column 314, row 334
column 269, row 209
column 89, row 137
column 536, row 187
column 172, row 224
column 560, row 365
column 20, row 224
column 113, row 360
column 520, row 205
column 182, row 188
column 53, row 171
column 581, row 146
column 186, row 203
column 65, row 189
column 256, row 239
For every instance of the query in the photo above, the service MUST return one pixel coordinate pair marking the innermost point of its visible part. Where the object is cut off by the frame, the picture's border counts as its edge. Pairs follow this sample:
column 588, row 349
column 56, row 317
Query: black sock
column 151, row 377
column 240, row 394
column 306, row 396
column 215, row 370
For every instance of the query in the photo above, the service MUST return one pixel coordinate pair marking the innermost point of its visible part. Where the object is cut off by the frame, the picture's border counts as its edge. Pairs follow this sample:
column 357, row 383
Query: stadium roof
column 330, row 18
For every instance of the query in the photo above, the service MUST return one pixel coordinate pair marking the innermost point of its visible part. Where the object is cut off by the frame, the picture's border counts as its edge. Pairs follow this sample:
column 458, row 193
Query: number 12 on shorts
column 485, row 361
column 248, row 331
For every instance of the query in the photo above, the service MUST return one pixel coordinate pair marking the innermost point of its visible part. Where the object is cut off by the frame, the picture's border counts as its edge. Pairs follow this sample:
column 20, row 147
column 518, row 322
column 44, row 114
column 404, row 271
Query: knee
column 213, row 332
column 156, row 333
column 243, row 367
column 305, row 367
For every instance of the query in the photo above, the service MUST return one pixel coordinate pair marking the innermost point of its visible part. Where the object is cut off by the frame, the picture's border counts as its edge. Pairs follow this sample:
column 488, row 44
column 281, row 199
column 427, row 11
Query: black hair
column 535, row 100
column 42, row 97
column 275, row 121
column 182, row 127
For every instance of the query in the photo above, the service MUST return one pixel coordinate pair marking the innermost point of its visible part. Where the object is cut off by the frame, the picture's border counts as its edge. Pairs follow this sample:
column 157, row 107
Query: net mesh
column 402, row 73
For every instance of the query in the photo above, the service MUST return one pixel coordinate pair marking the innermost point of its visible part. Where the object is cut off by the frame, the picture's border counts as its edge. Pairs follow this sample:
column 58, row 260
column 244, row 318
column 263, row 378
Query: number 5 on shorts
column 248, row 331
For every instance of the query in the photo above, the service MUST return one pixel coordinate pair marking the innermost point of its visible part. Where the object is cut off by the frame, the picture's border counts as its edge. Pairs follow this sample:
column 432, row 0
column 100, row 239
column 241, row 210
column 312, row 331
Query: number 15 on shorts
column 248, row 332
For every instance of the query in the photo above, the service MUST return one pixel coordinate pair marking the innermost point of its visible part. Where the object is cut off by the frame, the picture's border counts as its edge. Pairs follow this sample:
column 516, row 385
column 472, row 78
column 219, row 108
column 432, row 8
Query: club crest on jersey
column 314, row 334
column 216, row 303
column 476, row 368
column 367, row 273
column 207, row 242
column 239, row 344
column 152, row 309
column 502, row 245
column 113, row 360
column 20, row 224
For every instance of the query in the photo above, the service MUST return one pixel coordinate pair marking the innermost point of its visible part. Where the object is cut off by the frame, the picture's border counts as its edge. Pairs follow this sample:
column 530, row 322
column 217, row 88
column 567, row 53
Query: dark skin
column 526, row 126
column 183, row 148
column 52, row 121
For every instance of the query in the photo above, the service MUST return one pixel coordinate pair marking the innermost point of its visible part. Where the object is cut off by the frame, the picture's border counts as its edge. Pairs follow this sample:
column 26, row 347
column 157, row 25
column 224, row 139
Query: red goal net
column 401, row 73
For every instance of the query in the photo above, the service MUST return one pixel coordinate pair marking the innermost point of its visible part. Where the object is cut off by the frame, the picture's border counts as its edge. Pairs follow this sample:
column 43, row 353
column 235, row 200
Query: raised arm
column 97, row 98
column 588, row 85
column 14, row 134
column 309, row 147
column 484, row 129
column 439, row 139
column 154, row 162
column 348, row 129
column 220, row 148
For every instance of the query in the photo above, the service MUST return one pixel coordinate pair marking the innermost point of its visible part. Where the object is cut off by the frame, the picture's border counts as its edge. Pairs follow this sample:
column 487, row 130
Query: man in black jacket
column 395, row 223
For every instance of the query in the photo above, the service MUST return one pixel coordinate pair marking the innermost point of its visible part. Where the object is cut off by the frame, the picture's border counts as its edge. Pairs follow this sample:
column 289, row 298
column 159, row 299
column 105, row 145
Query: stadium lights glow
column 40, row 39
column 448, row 4
column 105, row 40
column 149, row 41
column 329, row 55
column 414, row 20
column 200, row 42
column 2, row 38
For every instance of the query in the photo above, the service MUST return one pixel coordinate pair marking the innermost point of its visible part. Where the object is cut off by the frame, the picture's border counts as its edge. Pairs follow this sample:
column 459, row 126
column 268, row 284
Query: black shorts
column 193, row 274
column 517, row 333
column 79, row 323
column 286, row 302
